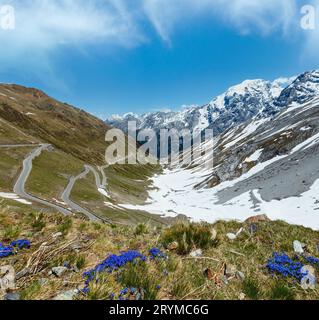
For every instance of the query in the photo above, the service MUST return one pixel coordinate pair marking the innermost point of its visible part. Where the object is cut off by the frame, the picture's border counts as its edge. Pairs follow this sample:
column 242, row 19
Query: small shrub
column 80, row 262
column 65, row 227
column 97, row 226
column 251, row 289
column 281, row 292
column 82, row 227
column 189, row 236
column 138, row 275
column 38, row 223
column 141, row 229
column 11, row 232
column 31, row 292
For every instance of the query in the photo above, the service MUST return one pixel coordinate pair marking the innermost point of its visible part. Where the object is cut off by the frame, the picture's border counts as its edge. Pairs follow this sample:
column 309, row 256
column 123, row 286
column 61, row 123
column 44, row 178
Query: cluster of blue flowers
column 127, row 292
column 6, row 251
column 110, row 264
column 312, row 260
column 156, row 253
column 281, row 264
column 115, row 262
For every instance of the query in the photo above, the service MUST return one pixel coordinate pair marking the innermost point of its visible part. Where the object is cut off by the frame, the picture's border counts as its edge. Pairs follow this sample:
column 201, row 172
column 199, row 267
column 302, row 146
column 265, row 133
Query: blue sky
column 117, row 56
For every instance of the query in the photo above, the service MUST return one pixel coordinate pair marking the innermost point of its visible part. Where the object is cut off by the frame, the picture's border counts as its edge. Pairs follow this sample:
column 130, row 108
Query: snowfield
column 175, row 195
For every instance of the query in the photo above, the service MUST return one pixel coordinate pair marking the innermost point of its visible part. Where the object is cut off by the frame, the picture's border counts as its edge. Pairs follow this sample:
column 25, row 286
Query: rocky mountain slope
column 266, row 165
column 29, row 115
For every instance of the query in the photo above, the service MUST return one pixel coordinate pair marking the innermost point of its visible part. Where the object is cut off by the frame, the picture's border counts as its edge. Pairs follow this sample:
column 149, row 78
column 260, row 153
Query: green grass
column 281, row 292
column 189, row 236
column 85, row 194
column 11, row 160
column 51, row 172
column 251, row 289
column 85, row 191
column 130, row 183
column 185, row 278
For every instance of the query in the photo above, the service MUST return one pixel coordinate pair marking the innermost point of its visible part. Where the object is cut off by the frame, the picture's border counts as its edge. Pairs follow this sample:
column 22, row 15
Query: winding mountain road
column 67, row 192
column 19, row 187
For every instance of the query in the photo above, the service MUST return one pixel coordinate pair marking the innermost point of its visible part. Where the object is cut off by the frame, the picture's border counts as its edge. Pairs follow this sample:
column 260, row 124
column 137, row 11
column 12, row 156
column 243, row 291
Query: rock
column 196, row 253
column 214, row 234
column 242, row 296
column 59, row 271
column 172, row 246
column 240, row 275
column 24, row 272
column 231, row 236
column 67, row 295
column 230, row 270
column 258, row 218
column 298, row 247
column 12, row 296
column 7, row 278
column 76, row 247
column 57, row 235
column 309, row 280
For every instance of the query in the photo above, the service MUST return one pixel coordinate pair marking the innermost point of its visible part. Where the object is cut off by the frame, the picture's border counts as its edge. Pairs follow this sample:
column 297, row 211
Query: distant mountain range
column 265, row 155
column 240, row 103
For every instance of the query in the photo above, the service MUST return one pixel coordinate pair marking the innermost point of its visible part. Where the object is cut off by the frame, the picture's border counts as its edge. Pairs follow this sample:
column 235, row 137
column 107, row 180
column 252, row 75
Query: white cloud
column 49, row 23
column 45, row 26
column 42, row 27
column 246, row 16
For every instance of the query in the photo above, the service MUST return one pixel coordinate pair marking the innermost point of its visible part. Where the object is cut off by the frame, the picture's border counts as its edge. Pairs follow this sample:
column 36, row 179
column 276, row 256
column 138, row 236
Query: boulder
column 231, row 236
column 258, row 218
column 196, row 253
column 298, row 247
column 67, row 295
column 59, row 271
column 14, row 296
column 7, row 278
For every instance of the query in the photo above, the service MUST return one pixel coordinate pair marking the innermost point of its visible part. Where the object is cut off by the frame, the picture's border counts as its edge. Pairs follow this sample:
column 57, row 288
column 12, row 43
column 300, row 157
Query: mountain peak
column 251, row 98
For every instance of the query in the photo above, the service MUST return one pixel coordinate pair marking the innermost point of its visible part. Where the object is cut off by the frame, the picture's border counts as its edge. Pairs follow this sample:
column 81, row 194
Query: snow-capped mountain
column 264, row 166
column 267, row 164
column 237, row 105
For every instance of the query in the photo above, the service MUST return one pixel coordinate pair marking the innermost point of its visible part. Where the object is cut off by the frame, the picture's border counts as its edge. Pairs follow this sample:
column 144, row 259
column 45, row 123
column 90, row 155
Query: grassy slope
column 129, row 183
column 69, row 129
column 51, row 172
column 10, row 165
column 86, row 194
column 186, row 279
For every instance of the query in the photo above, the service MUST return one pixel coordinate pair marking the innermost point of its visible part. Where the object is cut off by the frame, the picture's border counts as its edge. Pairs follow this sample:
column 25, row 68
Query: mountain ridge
column 240, row 103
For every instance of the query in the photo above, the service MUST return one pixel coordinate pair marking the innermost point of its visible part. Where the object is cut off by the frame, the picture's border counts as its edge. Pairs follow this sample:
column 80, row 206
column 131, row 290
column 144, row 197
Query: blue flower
column 21, row 244
column 113, row 263
column 124, row 292
column 6, row 251
column 157, row 253
column 282, row 265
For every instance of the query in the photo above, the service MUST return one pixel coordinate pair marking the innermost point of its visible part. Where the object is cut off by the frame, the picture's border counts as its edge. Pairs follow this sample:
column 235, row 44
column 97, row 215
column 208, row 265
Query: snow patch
column 13, row 196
